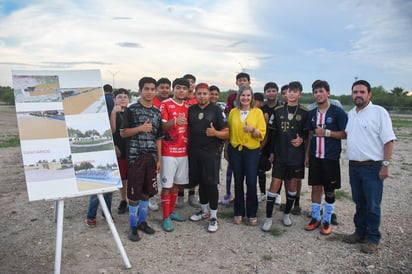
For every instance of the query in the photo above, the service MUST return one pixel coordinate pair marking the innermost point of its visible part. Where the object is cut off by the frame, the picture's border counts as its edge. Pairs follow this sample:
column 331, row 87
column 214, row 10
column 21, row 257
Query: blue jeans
column 94, row 204
column 244, row 163
column 367, row 190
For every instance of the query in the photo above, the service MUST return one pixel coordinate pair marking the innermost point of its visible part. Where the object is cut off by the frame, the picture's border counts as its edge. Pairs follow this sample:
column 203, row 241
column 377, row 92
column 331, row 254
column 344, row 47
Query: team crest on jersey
column 200, row 115
column 282, row 117
column 329, row 120
column 298, row 117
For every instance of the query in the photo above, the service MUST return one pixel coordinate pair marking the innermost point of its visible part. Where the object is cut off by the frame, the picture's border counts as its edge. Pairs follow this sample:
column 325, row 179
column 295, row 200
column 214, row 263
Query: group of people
column 182, row 138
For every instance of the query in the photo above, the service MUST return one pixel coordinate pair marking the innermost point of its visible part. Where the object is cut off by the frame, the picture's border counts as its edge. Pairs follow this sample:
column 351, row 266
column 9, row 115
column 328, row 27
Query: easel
column 59, row 214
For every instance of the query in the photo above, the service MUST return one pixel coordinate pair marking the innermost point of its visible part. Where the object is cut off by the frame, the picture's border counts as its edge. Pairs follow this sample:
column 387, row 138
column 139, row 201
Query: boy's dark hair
column 364, row 83
column 258, row 96
column 180, row 82
column 121, row 91
column 284, row 87
column 213, row 87
column 107, row 88
column 146, row 80
column 243, row 75
column 163, row 80
column 190, row 76
column 320, row 84
column 295, row 85
column 270, row 85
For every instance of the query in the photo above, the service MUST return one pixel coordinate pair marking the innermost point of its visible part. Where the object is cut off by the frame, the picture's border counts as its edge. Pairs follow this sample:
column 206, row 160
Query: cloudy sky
column 272, row 40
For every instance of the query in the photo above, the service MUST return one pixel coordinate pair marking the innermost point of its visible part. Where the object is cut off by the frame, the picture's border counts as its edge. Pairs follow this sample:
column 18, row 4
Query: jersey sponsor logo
column 298, row 117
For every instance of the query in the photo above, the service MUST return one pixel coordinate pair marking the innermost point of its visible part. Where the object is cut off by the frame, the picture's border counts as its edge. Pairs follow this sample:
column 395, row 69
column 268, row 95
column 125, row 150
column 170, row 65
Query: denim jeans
column 367, row 190
column 245, row 164
column 94, row 204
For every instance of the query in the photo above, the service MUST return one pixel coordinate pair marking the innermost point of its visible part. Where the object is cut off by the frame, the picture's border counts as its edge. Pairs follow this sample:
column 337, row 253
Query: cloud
column 129, row 45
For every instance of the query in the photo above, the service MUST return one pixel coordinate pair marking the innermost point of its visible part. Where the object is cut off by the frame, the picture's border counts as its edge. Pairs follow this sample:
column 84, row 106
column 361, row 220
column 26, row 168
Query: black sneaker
column 146, row 228
column 334, row 219
column 122, row 207
column 133, row 234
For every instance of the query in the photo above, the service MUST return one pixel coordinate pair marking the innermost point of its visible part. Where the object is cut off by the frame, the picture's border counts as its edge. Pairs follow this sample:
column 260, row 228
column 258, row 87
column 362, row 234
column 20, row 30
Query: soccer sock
column 173, row 198
column 289, row 202
column 328, row 212
column 270, row 202
column 133, row 208
column 181, row 193
column 297, row 200
column 316, row 211
column 143, row 205
column 204, row 207
column 166, row 205
column 213, row 213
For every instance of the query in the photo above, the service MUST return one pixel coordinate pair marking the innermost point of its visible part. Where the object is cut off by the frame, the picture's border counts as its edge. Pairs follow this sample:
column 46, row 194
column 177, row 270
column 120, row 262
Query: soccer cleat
column 213, row 225
column 312, row 225
column 354, row 238
column 369, row 248
column 334, row 219
column 326, row 228
column 168, row 225
column 146, row 228
column 133, row 234
column 122, row 207
column 153, row 204
column 199, row 216
column 91, row 222
column 179, row 202
column 267, row 225
column 286, row 220
column 176, row 217
column 193, row 201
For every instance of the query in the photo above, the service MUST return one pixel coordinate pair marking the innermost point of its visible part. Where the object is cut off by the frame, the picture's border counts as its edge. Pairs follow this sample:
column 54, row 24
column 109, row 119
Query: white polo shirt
column 367, row 132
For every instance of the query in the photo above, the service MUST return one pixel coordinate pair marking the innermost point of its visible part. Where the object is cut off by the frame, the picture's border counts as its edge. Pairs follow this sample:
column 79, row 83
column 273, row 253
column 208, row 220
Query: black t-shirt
column 289, row 121
column 198, row 121
column 120, row 142
column 270, row 111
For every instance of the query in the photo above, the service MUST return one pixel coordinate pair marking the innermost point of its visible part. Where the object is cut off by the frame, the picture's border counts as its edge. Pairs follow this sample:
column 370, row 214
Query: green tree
column 397, row 91
column 7, row 95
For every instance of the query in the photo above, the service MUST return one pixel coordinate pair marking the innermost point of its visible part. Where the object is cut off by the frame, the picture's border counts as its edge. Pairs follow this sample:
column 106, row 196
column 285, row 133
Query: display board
column 65, row 136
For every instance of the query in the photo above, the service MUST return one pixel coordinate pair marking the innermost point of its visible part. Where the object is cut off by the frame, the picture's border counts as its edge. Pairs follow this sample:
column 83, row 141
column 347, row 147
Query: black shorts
column 142, row 178
column 324, row 172
column 285, row 172
column 204, row 167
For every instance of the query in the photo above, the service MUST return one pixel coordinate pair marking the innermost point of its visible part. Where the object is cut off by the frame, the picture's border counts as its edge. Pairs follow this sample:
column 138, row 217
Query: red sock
column 173, row 198
column 166, row 205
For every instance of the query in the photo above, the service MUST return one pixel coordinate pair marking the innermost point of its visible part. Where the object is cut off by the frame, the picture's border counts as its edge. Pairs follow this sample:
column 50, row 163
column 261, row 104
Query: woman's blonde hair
column 240, row 91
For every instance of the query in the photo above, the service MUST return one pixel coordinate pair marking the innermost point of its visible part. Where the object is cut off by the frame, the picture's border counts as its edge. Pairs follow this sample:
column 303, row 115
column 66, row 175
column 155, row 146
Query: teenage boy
column 206, row 132
column 142, row 125
column 175, row 171
column 288, row 150
column 326, row 125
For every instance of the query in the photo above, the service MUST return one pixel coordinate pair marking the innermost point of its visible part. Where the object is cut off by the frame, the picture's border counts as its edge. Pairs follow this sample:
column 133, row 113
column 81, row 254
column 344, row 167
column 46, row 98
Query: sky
column 272, row 40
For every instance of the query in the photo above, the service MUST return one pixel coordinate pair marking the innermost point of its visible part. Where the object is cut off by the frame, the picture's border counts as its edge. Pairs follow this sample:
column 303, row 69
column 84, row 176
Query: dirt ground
column 28, row 232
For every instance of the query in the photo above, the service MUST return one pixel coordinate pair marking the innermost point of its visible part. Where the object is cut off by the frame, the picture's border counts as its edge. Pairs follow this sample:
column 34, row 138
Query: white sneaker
column 199, row 216
column 153, row 204
column 267, row 225
column 262, row 197
column 179, row 202
column 278, row 199
column 286, row 220
column 213, row 225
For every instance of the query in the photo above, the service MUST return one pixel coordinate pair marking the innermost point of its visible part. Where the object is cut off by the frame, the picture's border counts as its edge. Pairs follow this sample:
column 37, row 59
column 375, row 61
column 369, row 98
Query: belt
column 363, row 163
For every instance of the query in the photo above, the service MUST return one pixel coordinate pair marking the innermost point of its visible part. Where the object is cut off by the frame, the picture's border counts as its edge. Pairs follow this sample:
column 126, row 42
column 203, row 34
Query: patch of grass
column 342, row 194
column 403, row 135
column 11, row 142
column 276, row 232
column 401, row 123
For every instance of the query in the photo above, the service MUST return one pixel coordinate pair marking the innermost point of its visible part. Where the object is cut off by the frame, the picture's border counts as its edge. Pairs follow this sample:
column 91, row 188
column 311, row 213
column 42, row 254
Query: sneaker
column 312, row 225
column 122, row 207
column 354, row 238
column 253, row 221
column 213, row 225
column 296, row 210
column 262, row 197
column 278, row 200
column 227, row 199
column 179, row 202
column 146, row 228
column 334, row 219
column 133, row 234
column 267, row 225
column 369, row 248
column 153, row 204
column 176, row 217
column 168, row 224
column 91, row 222
column 326, row 228
column 199, row 216
column 286, row 220
column 238, row 220
column 193, row 201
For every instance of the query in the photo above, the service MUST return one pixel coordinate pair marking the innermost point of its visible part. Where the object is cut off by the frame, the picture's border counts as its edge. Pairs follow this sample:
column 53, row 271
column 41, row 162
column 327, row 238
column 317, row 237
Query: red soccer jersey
column 157, row 102
column 175, row 139
column 191, row 100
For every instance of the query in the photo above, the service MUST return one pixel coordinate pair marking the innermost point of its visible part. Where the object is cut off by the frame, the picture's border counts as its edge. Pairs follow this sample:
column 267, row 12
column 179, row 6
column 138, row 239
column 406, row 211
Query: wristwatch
column 386, row 163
